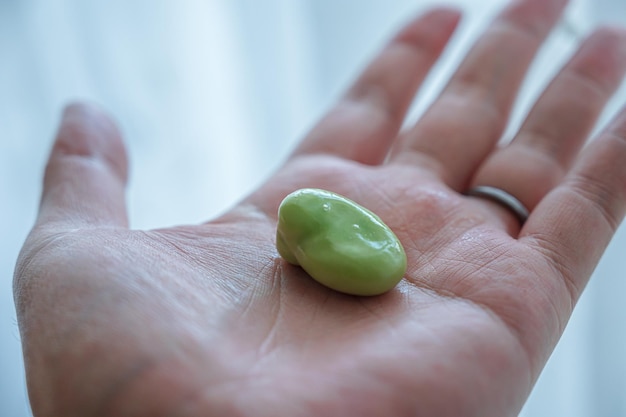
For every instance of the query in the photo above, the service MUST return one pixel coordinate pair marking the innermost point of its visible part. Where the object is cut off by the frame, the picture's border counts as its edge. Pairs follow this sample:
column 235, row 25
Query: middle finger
column 467, row 120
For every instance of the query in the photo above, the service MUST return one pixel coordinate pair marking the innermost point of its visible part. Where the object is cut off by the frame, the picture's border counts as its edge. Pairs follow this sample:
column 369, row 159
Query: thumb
column 86, row 174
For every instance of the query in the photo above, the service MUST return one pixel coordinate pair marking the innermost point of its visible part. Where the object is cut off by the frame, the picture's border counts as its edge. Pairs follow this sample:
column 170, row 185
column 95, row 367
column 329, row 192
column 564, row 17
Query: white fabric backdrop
column 211, row 95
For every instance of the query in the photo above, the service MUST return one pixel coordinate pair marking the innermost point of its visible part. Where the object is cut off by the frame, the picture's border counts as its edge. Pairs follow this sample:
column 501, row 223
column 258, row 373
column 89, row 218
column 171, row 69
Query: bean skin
column 339, row 243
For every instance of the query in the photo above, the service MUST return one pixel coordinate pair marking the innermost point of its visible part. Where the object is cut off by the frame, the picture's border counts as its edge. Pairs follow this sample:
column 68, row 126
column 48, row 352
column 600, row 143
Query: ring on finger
column 502, row 198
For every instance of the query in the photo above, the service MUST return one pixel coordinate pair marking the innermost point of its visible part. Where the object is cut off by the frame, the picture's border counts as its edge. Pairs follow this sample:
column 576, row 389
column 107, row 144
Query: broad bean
column 339, row 243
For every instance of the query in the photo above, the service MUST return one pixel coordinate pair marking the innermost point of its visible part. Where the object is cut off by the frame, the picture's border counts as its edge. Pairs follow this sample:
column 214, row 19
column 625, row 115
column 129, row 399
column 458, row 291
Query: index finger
column 364, row 123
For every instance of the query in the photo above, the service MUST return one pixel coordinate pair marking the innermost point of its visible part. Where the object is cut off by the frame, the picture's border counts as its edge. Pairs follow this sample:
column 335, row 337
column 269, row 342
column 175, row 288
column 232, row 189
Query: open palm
column 207, row 320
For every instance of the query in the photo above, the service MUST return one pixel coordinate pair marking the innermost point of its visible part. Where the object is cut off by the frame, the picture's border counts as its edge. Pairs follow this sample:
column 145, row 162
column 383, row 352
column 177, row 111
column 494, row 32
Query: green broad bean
column 339, row 243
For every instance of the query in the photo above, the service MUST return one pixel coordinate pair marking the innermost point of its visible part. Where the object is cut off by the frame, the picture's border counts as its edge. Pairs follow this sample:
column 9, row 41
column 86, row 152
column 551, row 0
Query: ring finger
column 556, row 128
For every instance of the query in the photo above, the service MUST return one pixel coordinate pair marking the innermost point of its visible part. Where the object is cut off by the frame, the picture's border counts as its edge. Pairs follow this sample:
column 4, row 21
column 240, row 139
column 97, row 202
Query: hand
column 207, row 320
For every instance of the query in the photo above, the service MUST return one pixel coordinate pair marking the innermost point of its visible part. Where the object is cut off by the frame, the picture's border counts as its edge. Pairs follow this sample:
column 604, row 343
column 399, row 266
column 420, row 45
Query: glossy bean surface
column 339, row 243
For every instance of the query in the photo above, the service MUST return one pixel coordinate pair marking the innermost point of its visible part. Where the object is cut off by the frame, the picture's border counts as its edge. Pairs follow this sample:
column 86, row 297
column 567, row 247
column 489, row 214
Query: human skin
column 207, row 320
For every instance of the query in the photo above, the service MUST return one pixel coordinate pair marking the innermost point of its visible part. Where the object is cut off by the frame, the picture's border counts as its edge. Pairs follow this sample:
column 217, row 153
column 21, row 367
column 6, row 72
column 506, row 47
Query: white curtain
column 211, row 95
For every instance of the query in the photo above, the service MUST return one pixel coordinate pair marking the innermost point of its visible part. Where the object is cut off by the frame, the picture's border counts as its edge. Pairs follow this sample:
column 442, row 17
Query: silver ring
column 503, row 198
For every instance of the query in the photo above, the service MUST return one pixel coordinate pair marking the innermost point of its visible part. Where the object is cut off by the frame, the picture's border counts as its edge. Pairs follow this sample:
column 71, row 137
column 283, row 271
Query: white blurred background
column 212, row 94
